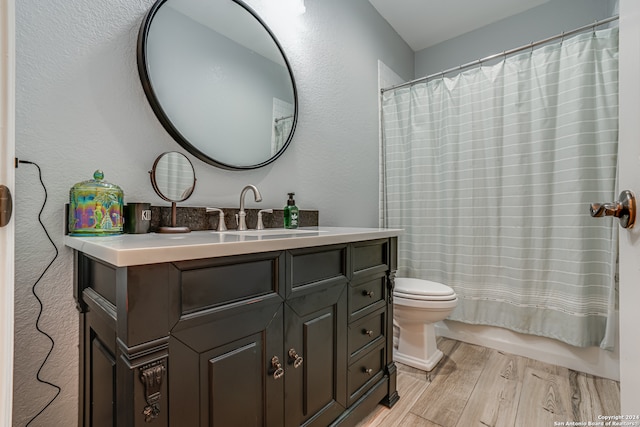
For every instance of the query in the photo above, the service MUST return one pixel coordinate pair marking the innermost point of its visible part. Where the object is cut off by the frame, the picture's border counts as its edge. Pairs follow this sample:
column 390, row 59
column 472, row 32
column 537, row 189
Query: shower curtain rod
column 505, row 54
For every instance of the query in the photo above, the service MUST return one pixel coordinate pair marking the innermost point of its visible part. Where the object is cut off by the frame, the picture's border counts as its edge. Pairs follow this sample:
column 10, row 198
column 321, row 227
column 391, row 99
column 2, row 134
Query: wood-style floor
column 477, row 386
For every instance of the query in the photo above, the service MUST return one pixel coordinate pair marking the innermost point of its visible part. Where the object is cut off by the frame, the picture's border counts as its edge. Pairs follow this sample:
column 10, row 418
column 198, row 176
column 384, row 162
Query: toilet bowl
column 417, row 305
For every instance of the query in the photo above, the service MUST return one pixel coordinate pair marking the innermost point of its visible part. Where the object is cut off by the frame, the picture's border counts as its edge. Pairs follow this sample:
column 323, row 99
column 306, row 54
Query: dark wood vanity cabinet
column 285, row 338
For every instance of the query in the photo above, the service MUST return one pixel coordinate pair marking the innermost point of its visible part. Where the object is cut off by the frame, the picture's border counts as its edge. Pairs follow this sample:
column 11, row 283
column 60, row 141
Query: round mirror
column 218, row 81
column 174, row 180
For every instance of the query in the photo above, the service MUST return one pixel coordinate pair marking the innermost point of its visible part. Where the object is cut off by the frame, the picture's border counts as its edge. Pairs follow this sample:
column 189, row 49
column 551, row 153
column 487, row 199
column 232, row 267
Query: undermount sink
column 270, row 232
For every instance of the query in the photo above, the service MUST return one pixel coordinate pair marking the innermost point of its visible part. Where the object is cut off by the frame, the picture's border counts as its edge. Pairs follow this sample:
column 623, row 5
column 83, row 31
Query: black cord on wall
column 33, row 290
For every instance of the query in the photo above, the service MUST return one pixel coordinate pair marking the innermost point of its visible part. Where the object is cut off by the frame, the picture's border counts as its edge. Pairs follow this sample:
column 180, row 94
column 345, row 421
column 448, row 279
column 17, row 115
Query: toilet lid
column 422, row 289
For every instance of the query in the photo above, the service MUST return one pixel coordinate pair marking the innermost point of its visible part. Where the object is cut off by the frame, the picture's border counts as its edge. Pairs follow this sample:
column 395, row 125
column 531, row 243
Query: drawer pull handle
column 367, row 371
column 367, row 332
column 278, row 372
column 295, row 358
column 368, row 294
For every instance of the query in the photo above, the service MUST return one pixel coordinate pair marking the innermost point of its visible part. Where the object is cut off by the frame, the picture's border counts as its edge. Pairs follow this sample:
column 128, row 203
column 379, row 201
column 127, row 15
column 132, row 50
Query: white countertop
column 137, row 249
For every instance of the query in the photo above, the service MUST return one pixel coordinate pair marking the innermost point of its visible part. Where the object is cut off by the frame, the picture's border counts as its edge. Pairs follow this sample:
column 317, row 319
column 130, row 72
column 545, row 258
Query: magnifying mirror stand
column 173, row 179
column 174, row 228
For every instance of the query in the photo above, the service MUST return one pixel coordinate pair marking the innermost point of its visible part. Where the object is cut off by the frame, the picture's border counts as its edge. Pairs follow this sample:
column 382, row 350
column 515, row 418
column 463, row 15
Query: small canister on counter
column 96, row 208
column 137, row 218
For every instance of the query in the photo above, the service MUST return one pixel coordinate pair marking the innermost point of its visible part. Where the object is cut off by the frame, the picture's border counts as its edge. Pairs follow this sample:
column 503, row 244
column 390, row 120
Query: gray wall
column 80, row 107
column 538, row 23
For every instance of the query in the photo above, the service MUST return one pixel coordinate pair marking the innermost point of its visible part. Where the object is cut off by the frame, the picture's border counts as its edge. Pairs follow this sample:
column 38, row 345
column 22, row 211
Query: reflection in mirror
column 174, row 180
column 218, row 80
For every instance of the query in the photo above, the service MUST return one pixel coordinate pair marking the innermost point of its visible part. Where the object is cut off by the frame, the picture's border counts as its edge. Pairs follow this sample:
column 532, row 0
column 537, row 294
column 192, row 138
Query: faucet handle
column 221, row 225
column 260, row 225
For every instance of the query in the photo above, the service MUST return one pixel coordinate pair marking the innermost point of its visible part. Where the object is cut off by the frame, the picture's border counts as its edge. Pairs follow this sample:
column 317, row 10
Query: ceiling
column 424, row 23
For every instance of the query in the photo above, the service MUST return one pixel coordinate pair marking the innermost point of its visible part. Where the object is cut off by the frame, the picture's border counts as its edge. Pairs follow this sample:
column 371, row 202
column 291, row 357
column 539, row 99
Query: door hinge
column 6, row 205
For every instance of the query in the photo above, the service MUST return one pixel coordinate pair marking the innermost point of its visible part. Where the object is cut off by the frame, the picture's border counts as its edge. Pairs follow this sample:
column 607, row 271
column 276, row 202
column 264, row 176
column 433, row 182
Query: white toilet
column 417, row 305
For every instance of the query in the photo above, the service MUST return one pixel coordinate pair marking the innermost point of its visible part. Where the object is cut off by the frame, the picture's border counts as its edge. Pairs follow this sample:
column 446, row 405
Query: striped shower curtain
column 491, row 173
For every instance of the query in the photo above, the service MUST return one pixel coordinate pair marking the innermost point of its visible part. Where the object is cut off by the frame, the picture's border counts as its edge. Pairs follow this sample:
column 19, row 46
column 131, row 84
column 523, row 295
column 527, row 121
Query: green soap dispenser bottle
column 291, row 213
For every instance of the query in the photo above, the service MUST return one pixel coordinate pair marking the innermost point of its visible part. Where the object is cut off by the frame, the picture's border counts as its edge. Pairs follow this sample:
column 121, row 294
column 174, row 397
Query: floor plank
column 545, row 399
column 452, row 383
column 592, row 396
column 501, row 384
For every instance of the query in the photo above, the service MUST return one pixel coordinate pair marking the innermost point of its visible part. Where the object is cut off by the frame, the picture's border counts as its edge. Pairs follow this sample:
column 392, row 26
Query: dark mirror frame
column 173, row 228
column 154, row 180
column 166, row 121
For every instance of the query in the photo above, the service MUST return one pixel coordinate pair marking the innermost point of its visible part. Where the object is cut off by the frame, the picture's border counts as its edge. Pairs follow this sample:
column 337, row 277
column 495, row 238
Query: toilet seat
column 422, row 290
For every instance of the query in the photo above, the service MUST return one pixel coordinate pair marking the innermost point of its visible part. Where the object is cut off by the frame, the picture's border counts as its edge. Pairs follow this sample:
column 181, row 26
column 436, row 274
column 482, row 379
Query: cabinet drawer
column 212, row 283
column 365, row 333
column 366, row 295
column 365, row 372
column 312, row 265
column 370, row 256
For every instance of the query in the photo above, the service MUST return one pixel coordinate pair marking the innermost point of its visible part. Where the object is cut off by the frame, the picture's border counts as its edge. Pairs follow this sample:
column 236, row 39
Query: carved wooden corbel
column 151, row 376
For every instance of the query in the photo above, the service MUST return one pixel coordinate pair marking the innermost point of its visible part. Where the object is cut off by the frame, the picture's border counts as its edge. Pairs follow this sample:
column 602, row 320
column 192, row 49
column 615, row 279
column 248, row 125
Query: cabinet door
column 314, row 330
column 100, row 379
column 221, row 373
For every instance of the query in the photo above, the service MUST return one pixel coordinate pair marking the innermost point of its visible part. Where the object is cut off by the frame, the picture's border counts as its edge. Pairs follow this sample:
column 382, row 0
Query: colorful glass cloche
column 96, row 208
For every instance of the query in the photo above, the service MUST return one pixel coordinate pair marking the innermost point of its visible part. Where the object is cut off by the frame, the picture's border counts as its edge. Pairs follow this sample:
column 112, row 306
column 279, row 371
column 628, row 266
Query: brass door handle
column 278, row 372
column 624, row 209
column 293, row 357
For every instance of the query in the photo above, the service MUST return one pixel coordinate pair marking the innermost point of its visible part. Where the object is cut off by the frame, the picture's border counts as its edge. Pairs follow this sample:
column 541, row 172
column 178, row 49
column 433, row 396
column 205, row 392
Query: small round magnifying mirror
column 173, row 179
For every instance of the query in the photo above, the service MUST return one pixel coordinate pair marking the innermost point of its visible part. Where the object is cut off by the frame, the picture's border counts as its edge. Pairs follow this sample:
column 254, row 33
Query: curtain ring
column 562, row 38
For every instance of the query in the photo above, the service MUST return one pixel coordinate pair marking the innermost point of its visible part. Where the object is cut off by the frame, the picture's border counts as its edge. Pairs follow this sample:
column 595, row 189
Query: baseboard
column 591, row 360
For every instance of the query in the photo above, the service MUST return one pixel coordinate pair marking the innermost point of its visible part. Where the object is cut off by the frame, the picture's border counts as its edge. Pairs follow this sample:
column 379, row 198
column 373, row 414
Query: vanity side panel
column 103, row 385
column 97, row 343
column 392, row 396
column 94, row 274
column 98, row 366
column 103, row 280
column 142, row 297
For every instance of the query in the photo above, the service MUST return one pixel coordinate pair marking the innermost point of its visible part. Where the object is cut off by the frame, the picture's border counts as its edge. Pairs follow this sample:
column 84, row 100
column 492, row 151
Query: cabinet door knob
column 367, row 371
column 367, row 332
column 293, row 357
column 368, row 294
column 278, row 372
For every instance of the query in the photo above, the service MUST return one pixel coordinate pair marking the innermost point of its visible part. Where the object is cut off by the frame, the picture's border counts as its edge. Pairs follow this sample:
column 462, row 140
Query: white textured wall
column 80, row 107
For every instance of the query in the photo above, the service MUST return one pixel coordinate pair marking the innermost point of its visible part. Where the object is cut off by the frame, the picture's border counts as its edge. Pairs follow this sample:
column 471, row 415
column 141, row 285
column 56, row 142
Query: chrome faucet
column 242, row 223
